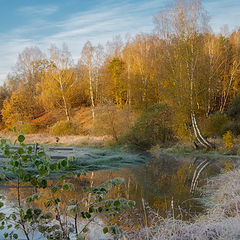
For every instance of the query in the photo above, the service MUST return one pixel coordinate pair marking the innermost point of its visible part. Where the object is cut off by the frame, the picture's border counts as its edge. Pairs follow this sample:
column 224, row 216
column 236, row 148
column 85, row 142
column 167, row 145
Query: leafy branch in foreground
column 61, row 217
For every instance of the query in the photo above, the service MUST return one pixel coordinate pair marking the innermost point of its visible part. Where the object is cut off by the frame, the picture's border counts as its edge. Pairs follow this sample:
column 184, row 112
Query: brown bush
column 112, row 120
column 62, row 128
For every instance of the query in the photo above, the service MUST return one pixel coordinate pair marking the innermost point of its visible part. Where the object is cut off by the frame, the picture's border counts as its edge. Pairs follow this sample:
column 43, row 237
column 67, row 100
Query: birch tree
column 87, row 59
column 214, row 61
column 91, row 62
column 181, row 27
column 231, row 69
column 143, row 62
column 59, row 83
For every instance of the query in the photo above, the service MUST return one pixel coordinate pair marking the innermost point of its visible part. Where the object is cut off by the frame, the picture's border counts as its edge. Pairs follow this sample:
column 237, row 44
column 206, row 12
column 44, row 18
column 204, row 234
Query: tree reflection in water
column 163, row 183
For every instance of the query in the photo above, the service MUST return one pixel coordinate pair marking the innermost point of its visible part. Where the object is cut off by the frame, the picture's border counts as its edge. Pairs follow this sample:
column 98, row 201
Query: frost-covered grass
column 223, row 194
column 221, row 220
column 161, row 229
column 88, row 160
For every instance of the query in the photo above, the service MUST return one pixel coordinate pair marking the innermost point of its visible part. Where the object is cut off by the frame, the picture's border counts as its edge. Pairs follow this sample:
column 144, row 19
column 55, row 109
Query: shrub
column 112, row 120
column 216, row 124
column 228, row 166
column 28, row 128
column 228, row 139
column 233, row 111
column 152, row 128
column 62, row 128
column 232, row 126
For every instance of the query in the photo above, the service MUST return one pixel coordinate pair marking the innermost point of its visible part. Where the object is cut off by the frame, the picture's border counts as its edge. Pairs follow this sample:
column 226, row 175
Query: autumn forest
column 181, row 66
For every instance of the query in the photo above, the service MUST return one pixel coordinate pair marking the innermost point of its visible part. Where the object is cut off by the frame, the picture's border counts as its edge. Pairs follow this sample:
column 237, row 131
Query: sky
column 26, row 23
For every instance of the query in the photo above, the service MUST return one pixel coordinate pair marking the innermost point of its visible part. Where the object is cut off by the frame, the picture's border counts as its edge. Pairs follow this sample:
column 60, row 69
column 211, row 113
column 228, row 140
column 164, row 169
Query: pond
column 159, row 181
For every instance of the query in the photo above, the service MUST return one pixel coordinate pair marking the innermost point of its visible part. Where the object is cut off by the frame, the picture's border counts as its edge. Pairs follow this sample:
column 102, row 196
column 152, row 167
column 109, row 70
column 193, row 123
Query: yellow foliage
column 63, row 128
column 228, row 166
column 181, row 124
column 21, row 106
column 228, row 139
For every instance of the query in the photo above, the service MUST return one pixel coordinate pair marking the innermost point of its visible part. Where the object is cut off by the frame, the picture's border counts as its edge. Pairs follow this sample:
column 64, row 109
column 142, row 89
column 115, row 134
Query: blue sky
column 41, row 23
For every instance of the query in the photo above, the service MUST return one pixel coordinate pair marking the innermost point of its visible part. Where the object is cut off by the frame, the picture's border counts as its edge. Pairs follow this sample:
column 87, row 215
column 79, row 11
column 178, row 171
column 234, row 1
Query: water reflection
column 164, row 183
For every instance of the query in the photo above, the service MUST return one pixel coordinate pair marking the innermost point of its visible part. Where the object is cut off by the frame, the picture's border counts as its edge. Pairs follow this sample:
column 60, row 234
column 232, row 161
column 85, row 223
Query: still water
column 161, row 182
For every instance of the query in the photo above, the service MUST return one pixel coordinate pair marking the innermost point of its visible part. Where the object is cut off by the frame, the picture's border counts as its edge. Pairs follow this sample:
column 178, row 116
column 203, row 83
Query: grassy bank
column 183, row 148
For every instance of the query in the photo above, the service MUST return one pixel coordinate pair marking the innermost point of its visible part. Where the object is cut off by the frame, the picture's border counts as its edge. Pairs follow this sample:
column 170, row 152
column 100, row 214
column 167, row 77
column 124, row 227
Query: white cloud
column 224, row 12
column 97, row 25
column 9, row 52
column 37, row 10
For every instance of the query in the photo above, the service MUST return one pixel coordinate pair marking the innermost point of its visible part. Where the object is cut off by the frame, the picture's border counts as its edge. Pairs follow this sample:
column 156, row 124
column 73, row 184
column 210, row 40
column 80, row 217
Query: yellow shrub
column 62, row 128
column 228, row 166
column 27, row 128
column 228, row 139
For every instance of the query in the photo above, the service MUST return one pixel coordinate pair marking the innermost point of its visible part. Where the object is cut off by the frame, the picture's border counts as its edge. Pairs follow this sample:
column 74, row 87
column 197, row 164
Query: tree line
column 182, row 64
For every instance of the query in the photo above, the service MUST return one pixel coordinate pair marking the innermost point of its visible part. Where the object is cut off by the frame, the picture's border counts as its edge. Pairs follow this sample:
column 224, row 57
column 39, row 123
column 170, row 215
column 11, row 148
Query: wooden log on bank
column 52, row 157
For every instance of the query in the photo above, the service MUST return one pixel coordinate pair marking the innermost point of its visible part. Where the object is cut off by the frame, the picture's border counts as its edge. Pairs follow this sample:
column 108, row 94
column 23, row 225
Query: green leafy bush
column 62, row 128
column 152, row 128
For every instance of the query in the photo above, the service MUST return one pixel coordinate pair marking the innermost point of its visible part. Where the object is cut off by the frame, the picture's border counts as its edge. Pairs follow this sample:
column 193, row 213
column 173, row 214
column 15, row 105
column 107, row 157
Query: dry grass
column 45, row 138
column 43, row 122
column 83, row 117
